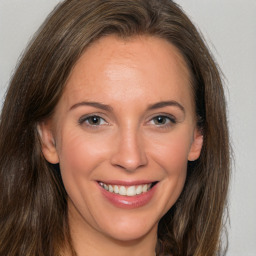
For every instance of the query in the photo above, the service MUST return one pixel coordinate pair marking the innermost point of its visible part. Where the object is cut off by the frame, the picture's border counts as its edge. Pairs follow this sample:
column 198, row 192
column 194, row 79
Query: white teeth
column 122, row 191
column 126, row 191
column 131, row 191
column 116, row 189
column 145, row 188
column 110, row 189
column 139, row 190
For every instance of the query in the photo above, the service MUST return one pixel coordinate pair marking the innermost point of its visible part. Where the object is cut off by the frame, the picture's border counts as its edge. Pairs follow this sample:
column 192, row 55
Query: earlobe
column 196, row 146
column 47, row 143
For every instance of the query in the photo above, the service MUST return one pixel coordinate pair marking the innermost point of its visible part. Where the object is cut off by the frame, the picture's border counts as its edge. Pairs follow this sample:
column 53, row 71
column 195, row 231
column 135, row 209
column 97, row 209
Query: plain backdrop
column 229, row 27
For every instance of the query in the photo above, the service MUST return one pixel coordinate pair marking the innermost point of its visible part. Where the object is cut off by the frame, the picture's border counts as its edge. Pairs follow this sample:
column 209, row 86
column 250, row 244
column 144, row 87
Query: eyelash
column 86, row 120
column 171, row 120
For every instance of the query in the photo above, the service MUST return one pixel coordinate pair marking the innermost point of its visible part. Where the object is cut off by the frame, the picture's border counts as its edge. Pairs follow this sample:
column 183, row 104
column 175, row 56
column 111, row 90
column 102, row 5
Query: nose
column 130, row 153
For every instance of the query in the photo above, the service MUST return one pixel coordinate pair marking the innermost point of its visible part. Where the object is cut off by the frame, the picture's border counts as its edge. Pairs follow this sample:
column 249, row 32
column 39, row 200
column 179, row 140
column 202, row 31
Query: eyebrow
column 163, row 104
column 92, row 104
column 105, row 107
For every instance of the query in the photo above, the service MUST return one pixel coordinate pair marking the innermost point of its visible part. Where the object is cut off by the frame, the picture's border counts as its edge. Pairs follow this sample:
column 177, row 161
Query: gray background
column 229, row 26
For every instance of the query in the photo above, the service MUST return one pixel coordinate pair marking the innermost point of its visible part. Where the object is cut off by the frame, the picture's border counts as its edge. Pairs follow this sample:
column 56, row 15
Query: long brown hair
column 33, row 205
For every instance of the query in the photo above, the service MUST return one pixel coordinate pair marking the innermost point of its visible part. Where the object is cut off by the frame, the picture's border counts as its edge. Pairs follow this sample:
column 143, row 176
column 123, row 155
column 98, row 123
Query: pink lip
column 128, row 202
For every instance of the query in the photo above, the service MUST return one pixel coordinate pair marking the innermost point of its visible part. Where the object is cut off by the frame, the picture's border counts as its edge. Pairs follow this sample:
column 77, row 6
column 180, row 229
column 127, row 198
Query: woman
column 114, row 136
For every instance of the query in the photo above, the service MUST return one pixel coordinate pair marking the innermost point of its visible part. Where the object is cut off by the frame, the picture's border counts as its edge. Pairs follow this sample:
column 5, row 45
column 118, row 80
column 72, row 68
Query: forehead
column 141, row 66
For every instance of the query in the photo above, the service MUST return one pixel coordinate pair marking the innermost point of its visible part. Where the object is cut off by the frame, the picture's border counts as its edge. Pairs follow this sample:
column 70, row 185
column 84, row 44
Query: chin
column 132, row 234
column 129, row 227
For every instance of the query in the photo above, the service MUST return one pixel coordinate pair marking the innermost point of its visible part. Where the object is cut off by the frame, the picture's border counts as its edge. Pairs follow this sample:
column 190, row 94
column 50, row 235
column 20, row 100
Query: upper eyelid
column 84, row 117
column 106, row 119
column 170, row 116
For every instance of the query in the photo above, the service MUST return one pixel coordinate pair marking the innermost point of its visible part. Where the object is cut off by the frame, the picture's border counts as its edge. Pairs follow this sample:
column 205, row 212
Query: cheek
column 80, row 154
column 171, row 155
column 174, row 162
column 172, row 152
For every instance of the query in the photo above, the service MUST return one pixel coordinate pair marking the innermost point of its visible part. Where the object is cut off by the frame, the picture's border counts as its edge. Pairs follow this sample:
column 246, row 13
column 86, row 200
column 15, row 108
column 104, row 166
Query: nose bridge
column 130, row 152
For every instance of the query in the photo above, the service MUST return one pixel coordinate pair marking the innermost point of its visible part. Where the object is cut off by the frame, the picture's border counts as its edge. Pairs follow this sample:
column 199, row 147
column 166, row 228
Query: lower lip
column 129, row 202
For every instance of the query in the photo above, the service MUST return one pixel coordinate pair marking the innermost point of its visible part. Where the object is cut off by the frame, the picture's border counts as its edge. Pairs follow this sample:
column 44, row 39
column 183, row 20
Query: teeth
column 110, row 189
column 126, row 191
column 139, row 190
column 116, row 189
column 122, row 191
column 131, row 191
column 145, row 188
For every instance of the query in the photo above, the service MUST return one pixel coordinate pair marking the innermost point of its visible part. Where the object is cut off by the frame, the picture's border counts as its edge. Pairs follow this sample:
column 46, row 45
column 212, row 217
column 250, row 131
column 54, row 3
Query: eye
column 93, row 120
column 162, row 120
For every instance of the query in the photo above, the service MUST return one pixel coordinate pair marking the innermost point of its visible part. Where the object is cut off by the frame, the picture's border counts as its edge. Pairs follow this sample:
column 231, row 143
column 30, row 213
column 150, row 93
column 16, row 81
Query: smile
column 127, row 190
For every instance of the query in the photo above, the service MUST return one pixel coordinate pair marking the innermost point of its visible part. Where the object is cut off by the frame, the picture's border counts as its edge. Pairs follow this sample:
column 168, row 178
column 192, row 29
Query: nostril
column 129, row 162
column 129, row 154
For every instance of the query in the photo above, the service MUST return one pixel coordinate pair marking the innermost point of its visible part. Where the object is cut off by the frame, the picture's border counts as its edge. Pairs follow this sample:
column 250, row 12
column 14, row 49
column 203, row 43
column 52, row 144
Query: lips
column 128, row 196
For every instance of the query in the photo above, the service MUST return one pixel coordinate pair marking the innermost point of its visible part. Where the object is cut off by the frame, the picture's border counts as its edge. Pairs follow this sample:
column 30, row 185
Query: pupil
column 160, row 120
column 94, row 120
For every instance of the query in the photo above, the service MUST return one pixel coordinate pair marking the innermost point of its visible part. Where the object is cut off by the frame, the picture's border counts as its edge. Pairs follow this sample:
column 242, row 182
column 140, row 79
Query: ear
column 196, row 146
column 48, row 142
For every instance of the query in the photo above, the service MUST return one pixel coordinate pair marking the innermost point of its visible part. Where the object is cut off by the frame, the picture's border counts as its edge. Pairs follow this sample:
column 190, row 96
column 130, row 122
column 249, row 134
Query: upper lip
column 127, row 183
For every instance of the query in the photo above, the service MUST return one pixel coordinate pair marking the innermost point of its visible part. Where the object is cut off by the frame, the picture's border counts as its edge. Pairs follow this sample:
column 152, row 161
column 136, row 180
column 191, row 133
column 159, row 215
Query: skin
column 127, row 143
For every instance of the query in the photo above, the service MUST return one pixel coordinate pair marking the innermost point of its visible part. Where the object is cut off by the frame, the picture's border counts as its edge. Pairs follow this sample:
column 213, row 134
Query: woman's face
column 124, row 125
